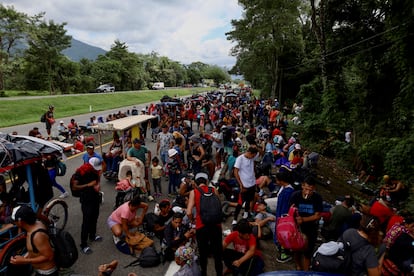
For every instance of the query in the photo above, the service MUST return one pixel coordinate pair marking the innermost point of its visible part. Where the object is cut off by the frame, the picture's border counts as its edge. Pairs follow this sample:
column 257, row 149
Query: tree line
column 31, row 59
column 350, row 63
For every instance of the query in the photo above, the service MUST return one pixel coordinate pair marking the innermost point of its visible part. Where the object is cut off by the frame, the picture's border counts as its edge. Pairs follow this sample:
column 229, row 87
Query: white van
column 158, row 86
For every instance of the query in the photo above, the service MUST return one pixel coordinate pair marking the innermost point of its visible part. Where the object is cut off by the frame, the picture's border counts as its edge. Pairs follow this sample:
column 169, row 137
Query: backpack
column 335, row 257
column 149, row 257
column 43, row 118
column 288, row 233
column 210, row 207
column 75, row 193
column 60, row 168
column 64, row 246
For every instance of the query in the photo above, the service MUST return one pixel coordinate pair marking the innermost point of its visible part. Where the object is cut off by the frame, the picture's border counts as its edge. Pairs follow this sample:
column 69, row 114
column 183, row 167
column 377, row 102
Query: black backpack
column 75, row 193
column 341, row 262
column 43, row 118
column 210, row 207
column 64, row 246
column 149, row 257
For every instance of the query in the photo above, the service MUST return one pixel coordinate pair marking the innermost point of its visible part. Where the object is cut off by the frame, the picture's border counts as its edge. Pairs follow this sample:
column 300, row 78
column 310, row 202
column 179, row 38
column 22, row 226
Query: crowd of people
column 247, row 140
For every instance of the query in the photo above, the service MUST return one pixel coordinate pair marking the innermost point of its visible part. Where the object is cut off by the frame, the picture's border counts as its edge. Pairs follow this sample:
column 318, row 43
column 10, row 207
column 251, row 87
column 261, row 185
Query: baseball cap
column 24, row 213
column 61, row 122
column 201, row 175
column 96, row 163
column 90, row 146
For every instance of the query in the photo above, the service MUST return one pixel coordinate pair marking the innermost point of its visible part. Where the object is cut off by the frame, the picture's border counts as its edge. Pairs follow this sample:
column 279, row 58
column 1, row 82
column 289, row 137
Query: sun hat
column 172, row 152
column 96, row 163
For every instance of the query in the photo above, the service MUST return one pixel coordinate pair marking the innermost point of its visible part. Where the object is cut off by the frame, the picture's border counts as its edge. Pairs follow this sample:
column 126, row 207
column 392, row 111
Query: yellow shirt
column 156, row 172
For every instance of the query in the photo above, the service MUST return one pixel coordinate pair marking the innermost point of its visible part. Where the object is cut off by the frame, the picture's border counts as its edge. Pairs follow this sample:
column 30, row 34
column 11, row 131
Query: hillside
column 80, row 50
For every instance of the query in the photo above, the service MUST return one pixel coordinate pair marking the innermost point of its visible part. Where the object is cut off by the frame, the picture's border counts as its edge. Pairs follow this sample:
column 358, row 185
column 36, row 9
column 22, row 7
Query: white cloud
column 183, row 30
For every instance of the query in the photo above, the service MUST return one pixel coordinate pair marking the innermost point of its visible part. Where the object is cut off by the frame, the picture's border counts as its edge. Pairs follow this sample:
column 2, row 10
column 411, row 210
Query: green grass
column 28, row 110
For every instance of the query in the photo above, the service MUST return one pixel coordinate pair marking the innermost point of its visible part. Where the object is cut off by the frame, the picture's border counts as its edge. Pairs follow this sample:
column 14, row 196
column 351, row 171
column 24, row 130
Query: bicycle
column 54, row 214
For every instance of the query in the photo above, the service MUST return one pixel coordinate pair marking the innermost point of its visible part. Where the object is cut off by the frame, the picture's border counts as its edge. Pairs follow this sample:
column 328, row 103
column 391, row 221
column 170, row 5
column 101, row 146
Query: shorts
column 110, row 222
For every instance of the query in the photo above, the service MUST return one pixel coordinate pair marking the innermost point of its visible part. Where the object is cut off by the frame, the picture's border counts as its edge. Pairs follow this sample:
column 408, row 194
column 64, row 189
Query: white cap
column 96, row 163
column 61, row 122
column 201, row 175
column 298, row 147
column 172, row 152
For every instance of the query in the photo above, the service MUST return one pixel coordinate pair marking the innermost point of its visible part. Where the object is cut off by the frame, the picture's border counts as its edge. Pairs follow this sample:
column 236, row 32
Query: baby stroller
column 129, row 189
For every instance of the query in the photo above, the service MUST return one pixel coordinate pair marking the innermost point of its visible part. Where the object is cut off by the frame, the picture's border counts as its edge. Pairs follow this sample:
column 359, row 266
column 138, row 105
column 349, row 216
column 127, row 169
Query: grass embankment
column 29, row 109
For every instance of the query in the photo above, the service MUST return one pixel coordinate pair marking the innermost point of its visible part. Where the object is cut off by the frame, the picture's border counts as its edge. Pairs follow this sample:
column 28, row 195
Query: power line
column 350, row 46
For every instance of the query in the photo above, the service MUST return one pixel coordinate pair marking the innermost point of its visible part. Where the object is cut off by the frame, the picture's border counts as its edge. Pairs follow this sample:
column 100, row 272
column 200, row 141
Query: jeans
column 52, row 176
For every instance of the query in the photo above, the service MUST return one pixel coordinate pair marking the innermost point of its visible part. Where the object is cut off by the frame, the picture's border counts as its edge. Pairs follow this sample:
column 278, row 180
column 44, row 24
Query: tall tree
column 13, row 27
column 131, row 67
column 46, row 41
column 269, row 30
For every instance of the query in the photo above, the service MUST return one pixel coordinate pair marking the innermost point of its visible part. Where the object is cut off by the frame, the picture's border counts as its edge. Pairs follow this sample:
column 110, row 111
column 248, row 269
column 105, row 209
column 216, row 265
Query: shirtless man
column 42, row 260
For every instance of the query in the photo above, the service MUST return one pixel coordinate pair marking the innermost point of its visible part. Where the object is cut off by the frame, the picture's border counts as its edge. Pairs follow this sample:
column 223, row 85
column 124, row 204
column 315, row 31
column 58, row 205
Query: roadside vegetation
column 28, row 110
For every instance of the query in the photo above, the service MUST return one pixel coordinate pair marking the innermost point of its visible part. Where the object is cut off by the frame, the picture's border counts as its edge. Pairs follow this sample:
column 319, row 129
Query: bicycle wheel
column 57, row 213
column 16, row 246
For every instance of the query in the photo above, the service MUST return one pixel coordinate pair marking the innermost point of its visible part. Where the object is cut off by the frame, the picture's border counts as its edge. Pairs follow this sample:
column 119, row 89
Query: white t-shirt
column 246, row 171
column 218, row 145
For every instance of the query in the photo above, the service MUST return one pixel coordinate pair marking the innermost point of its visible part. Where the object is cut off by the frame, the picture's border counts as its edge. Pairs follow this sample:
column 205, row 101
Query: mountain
column 80, row 50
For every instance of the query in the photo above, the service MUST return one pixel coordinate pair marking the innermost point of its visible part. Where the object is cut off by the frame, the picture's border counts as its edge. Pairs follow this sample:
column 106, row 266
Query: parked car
column 108, row 87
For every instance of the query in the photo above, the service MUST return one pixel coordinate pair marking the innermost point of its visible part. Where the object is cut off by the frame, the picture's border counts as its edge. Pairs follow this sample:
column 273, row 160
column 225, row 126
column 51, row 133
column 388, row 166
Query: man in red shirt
column 209, row 237
column 244, row 259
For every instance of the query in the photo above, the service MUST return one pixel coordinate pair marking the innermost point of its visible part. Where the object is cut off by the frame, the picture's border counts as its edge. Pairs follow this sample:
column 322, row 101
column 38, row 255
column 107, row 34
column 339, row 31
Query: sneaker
column 150, row 198
column 116, row 239
column 283, row 258
column 107, row 173
column 97, row 239
column 86, row 250
column 234, row 222
column 64, row 195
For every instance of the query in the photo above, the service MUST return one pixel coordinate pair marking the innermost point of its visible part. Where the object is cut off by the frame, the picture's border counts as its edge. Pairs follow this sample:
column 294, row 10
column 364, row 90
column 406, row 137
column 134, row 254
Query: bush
column 398, row 159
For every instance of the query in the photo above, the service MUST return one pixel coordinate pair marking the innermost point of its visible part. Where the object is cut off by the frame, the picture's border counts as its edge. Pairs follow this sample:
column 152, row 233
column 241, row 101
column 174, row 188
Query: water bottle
column 321, row 221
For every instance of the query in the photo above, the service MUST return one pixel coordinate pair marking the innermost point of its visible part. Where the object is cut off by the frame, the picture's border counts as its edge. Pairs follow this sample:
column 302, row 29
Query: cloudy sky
column 183, row 30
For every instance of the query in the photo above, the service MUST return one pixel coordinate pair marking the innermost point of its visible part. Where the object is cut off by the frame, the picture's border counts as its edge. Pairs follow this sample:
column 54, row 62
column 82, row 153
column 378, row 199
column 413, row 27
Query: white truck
column 158, row 86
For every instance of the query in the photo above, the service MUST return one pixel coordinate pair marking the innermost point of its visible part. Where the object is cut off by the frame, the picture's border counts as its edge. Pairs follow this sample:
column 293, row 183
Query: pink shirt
column 123, row 212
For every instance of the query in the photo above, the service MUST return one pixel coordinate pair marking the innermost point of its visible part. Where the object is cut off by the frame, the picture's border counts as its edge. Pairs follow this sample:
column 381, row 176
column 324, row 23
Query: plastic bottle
column 321, row 222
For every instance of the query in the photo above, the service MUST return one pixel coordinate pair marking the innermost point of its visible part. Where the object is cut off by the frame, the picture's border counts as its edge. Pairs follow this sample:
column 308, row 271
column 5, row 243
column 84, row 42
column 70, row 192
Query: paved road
column 105, row 251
